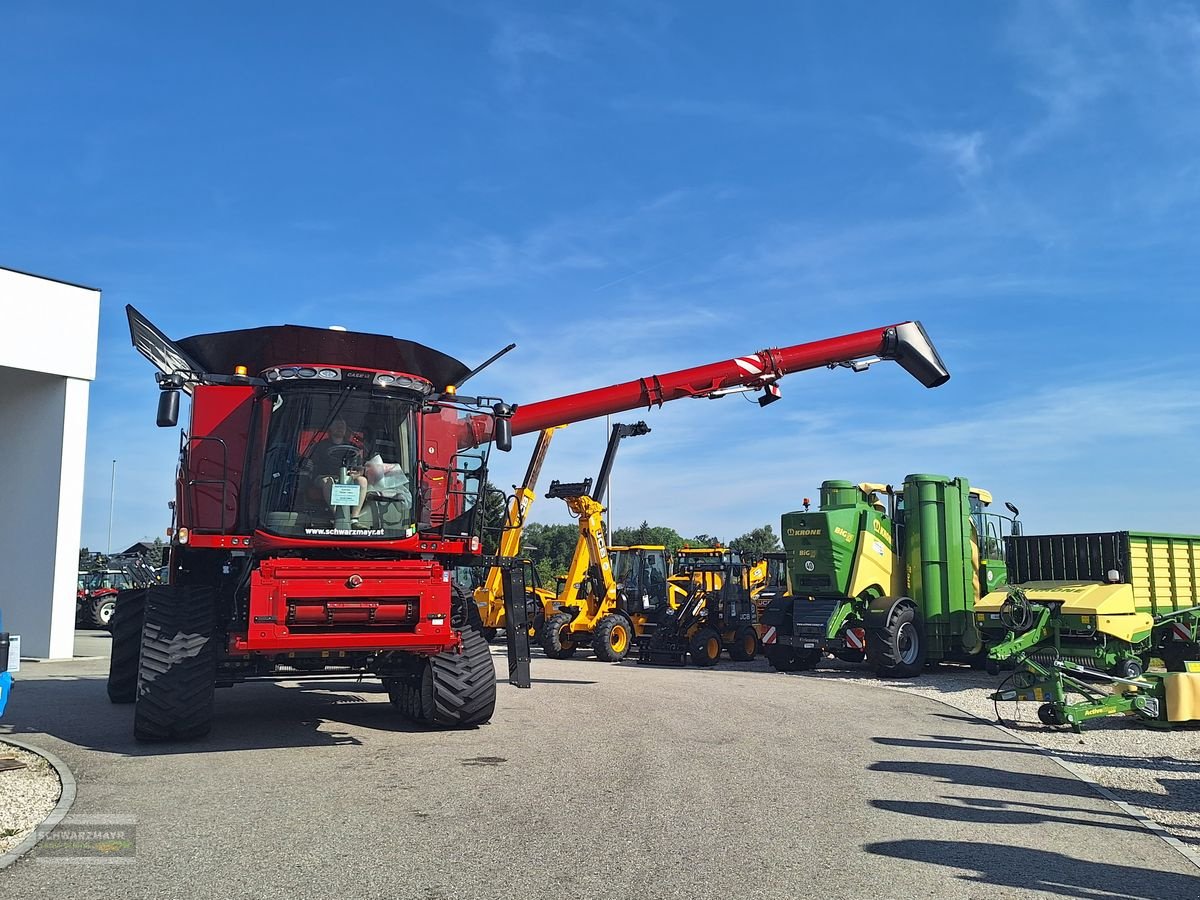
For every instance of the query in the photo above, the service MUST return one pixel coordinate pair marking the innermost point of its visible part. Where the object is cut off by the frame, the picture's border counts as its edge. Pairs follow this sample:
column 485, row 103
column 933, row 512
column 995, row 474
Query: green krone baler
column 887, row 575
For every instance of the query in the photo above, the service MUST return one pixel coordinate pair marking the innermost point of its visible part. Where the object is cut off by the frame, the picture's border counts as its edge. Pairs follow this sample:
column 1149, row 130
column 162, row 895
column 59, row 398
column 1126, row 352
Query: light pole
column 112, row 493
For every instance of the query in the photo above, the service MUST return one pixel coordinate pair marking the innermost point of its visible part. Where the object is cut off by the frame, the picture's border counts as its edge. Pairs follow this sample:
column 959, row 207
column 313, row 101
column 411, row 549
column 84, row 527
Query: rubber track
column 453, row 690
column 177, row 670
column 126, row 645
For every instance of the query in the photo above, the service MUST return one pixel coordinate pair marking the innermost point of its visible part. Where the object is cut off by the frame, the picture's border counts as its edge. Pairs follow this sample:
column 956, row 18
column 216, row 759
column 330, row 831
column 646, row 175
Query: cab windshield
column 340, row 464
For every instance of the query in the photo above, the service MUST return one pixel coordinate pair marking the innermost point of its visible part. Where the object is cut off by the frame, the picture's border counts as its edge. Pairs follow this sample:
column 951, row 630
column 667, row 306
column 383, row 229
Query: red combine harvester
column 328, row 486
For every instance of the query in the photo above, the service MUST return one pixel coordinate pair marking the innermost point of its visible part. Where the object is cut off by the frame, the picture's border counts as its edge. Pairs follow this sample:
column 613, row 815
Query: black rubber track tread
column 452, row 690
column 126, row 645
column 552, row 637
column 178, row 666
column 883, row 653
column 698, row 650
column 736, row 648
column 602, row 638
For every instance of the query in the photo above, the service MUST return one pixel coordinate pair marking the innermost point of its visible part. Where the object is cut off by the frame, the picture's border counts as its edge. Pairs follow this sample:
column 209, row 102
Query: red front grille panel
column 340, row 605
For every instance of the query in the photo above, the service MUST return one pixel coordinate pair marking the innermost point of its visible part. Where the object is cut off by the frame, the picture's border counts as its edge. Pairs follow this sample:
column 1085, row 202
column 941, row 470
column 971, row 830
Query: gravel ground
column 27, row 796
column 1158, row 771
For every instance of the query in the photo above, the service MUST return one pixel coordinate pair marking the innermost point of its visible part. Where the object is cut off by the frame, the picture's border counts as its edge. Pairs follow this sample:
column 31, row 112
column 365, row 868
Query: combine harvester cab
column 890, row 576
column 1083, row 617
column 327, row 493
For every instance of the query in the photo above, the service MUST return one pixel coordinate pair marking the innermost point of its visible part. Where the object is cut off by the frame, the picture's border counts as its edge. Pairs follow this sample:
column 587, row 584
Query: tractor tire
column 537, row 624
column 612, row 638
column 745, row 644
column 557, row 640
column 898, row 649
column 450, row 690
column 126, row 646
column 100, row 611
column 781, row 659
column 705, row 648
column 177, row 670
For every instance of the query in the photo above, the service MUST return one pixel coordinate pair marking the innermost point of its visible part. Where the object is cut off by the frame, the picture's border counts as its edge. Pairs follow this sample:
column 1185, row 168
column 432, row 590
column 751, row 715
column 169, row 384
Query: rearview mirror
column 503, row 420
column 168, row 409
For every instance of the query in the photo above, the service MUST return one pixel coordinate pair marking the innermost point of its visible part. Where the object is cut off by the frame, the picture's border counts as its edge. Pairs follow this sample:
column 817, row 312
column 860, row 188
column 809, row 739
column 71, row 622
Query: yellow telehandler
column 592, row 606
column 489, row 596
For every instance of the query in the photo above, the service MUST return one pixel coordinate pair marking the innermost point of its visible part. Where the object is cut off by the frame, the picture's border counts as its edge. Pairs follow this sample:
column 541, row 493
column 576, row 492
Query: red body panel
column 216, row 453
column 298, row 604
column 753, row 370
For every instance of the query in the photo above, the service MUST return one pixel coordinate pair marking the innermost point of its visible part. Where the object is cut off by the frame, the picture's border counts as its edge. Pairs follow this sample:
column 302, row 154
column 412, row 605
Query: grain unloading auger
column 906, row 343
column 329, row 486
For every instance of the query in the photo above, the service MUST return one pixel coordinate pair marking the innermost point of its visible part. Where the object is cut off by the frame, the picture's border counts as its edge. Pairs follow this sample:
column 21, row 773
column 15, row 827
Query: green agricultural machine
column 1081, row 611
column 892, row 582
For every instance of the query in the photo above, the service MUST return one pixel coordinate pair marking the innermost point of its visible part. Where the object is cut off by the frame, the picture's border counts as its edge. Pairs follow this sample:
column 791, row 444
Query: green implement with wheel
column 1070, row 694
column 1082, row 618
column 1111, row 601
column 889, row 575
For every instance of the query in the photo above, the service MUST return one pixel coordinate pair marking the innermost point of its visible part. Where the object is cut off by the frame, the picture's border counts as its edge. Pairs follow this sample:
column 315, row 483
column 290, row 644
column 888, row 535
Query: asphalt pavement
column 601, row 781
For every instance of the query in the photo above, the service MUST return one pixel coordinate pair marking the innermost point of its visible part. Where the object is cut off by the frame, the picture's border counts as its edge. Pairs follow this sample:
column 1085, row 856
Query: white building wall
column 47, row 359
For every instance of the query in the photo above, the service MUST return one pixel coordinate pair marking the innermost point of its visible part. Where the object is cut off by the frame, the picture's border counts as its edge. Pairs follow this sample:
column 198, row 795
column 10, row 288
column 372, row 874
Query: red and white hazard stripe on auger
column 752, row 365
column 772, row 389
column 769, row 635
column 856, row 638
column 1180, row 632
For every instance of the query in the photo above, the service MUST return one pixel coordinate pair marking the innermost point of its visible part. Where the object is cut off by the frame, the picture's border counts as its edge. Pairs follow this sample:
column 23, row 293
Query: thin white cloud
column 962, row 151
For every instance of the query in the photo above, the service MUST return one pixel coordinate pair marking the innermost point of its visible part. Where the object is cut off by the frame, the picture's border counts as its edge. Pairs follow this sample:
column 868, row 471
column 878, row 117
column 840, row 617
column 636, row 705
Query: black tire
column 745, row 644
column 897, row 650
column 450, row 690
column 126, row 625
column 613, row 637
column 177, row 670
column 100, row 611
column 705, row 648
column 557, row 641
column 489, row 634
column 1128, row 668
column 806, row 660
column 782, row 659
column 1048, row 715
column 537, row 624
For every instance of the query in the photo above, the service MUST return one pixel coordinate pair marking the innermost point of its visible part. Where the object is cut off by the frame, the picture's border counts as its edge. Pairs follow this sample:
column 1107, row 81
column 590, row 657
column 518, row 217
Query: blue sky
column 631, row 188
